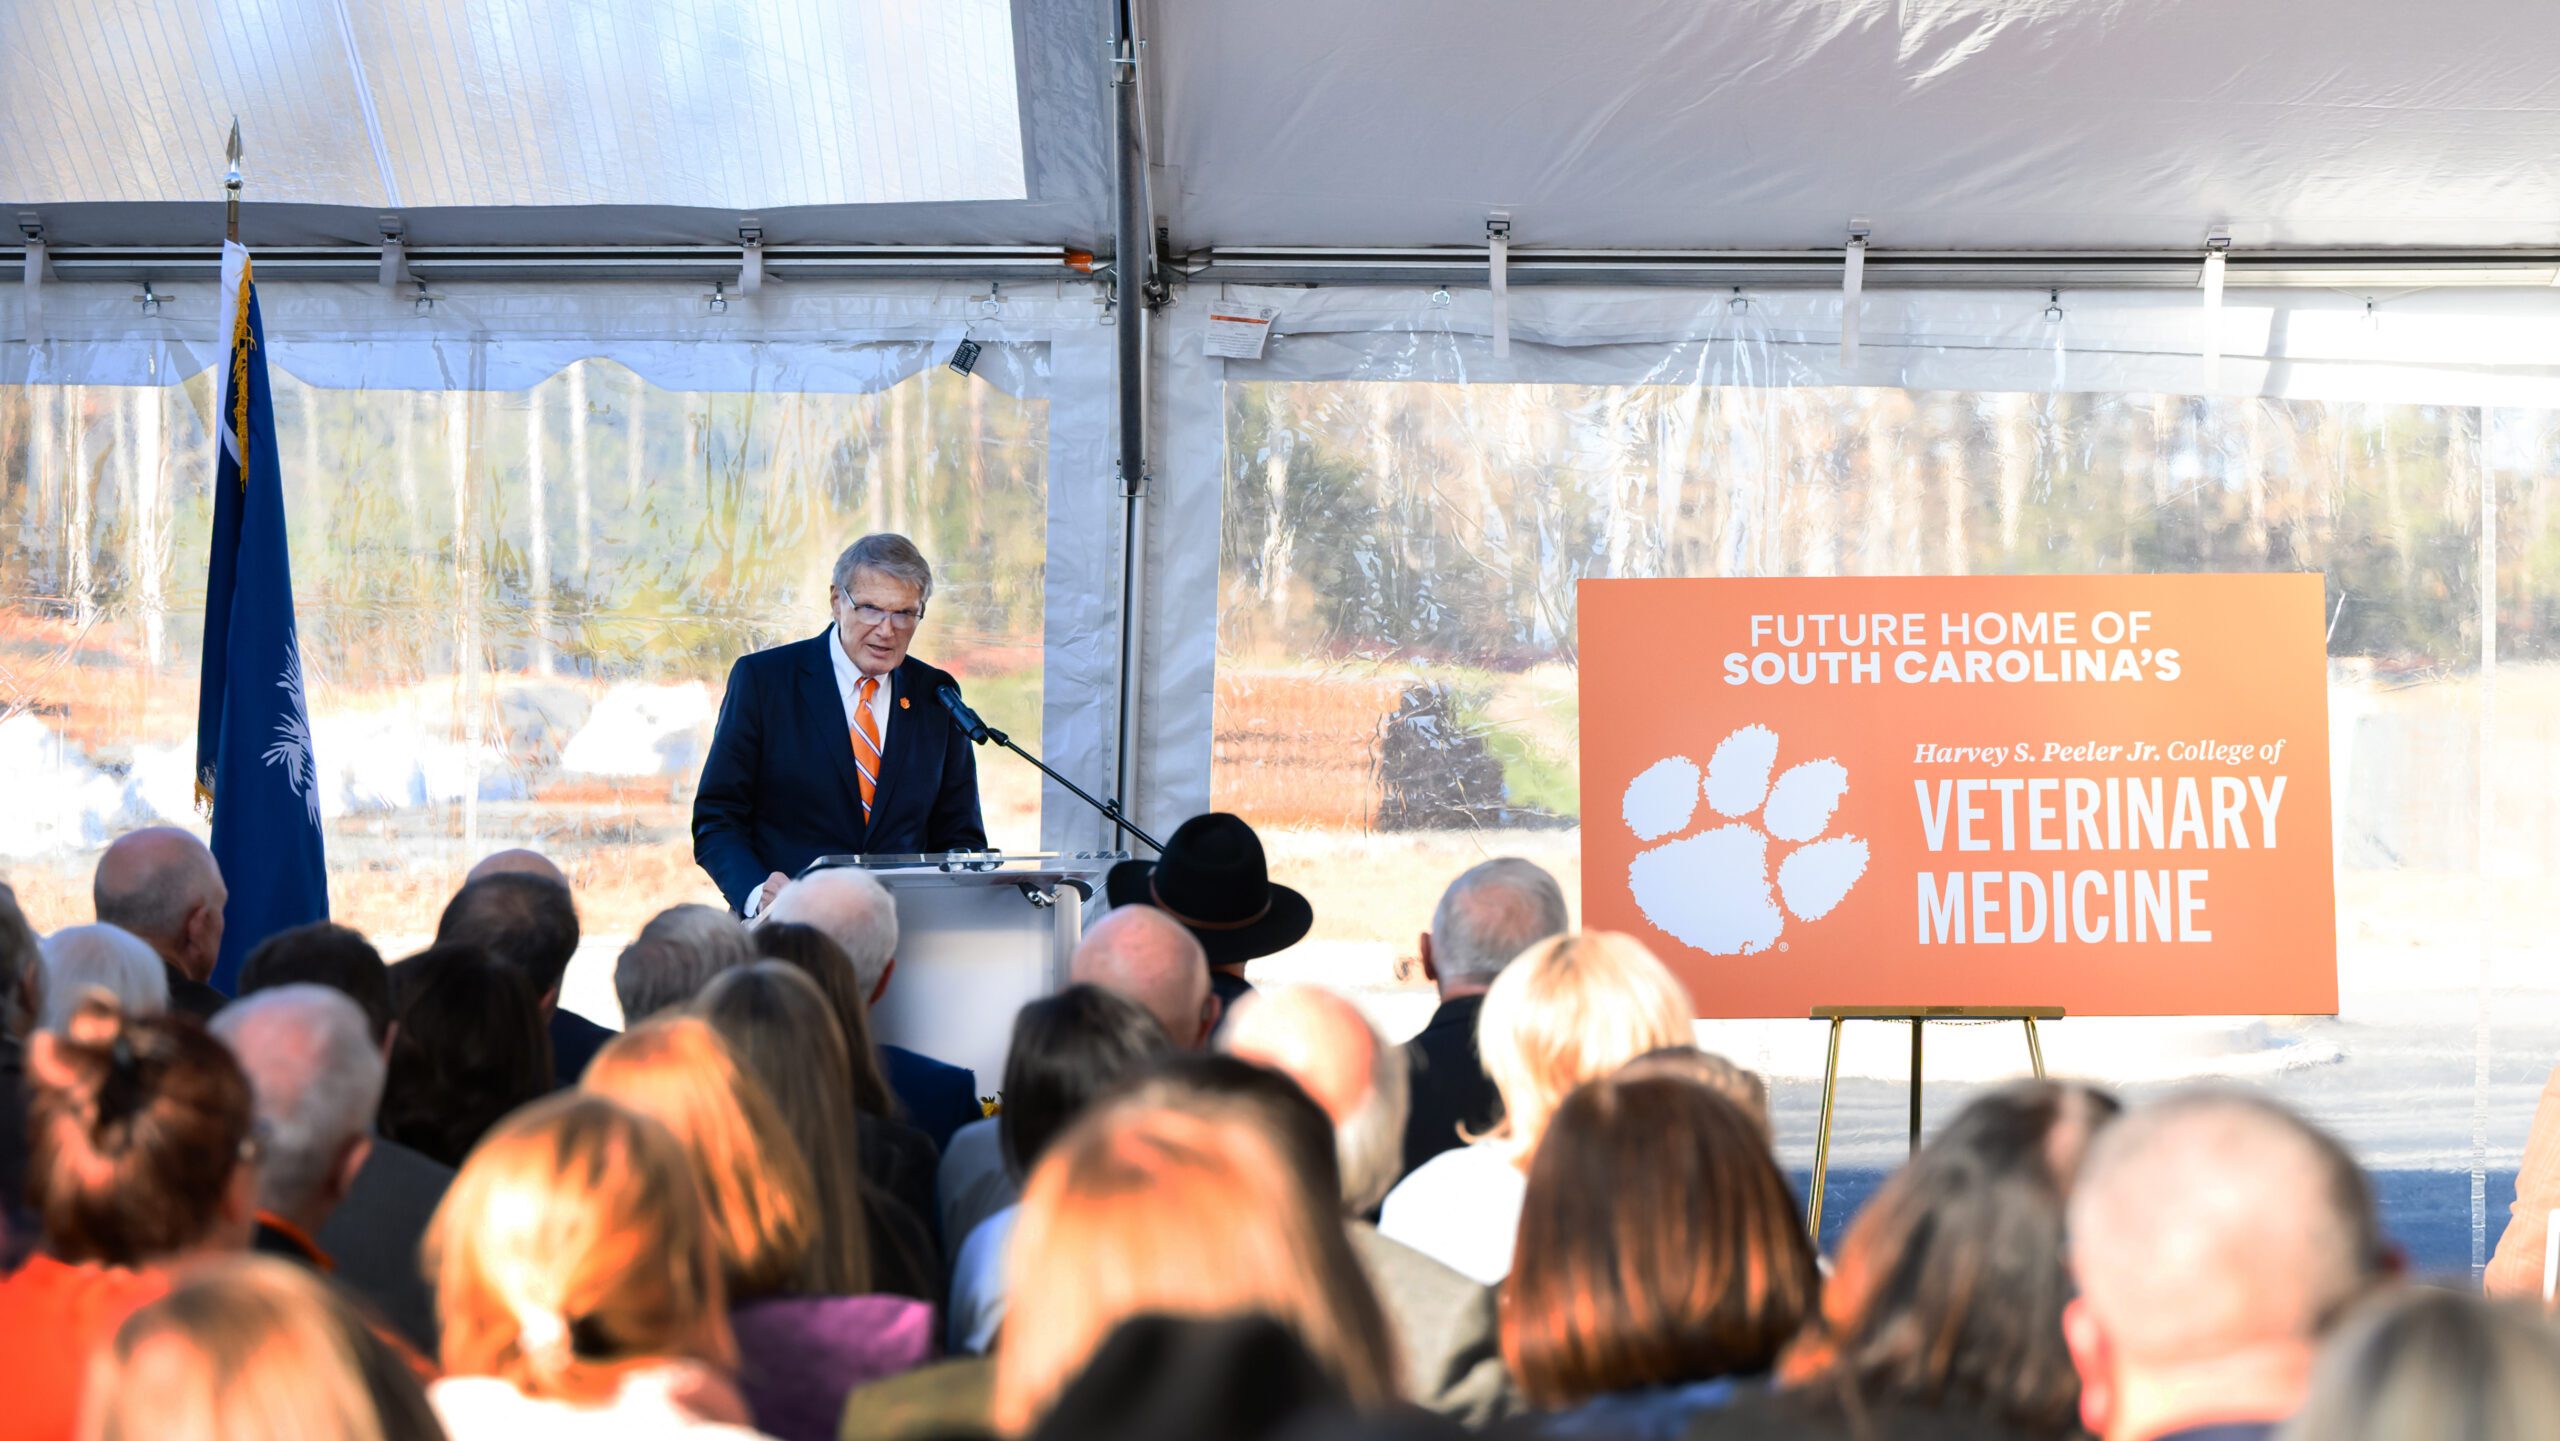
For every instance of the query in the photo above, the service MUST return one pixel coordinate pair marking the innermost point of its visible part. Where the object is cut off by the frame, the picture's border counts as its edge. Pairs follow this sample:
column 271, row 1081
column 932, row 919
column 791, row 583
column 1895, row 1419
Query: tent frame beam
column 1910, row 269
column 1310, row 265
column 582, row 262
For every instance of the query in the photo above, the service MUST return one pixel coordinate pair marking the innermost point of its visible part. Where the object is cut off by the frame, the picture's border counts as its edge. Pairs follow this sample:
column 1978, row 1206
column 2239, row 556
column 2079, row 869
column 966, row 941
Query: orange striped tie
column 866, row 743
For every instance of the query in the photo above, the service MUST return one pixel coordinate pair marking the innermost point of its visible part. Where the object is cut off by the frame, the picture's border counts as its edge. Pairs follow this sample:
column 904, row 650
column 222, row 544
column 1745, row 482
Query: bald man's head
column 1151, row 958
column 2209, row 1228
column 162, row 884
column 518, row 862
column 1322, row 1042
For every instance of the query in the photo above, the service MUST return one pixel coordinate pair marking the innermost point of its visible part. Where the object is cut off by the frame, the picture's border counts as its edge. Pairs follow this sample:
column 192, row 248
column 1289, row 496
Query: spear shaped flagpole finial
column 231, row 185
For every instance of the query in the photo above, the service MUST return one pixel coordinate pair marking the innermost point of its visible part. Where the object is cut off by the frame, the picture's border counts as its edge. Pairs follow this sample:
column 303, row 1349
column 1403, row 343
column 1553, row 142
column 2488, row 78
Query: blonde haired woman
column 1184, row 1209
column 798, row 1354
column 1565, row 1011
column 246, row 1349
column 578, row 1282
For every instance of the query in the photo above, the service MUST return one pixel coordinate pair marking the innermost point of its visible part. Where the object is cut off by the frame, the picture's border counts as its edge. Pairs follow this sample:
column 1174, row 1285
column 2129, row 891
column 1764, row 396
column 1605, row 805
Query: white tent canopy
column 1945, row 124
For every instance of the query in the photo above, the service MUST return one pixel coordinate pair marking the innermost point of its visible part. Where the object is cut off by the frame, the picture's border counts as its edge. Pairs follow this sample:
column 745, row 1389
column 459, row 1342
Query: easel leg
column 1822, row 1137
column 1916, row 1023
column 2035, row 1050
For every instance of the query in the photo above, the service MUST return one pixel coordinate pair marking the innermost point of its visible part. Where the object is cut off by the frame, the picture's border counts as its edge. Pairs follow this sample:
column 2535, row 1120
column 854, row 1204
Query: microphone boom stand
column 1110, row 809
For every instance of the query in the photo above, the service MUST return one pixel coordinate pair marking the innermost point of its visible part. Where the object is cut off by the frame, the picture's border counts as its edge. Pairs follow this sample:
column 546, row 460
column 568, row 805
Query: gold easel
column 1917, row 1016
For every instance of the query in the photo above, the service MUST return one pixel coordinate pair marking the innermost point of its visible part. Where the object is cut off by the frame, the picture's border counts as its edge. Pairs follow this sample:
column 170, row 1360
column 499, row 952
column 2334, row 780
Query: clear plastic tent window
column 1396, row 626
column 518, row 610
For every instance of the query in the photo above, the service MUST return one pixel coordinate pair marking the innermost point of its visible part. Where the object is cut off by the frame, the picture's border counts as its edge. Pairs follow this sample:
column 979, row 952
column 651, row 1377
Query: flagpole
column 231, row 187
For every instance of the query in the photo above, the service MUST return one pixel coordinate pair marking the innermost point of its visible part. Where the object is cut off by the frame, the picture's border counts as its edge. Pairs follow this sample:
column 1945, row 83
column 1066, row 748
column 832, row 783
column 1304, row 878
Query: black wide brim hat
column 1213, row 879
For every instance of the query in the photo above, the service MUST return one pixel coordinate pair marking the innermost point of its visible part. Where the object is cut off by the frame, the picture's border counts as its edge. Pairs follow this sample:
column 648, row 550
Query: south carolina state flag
column 254, row 765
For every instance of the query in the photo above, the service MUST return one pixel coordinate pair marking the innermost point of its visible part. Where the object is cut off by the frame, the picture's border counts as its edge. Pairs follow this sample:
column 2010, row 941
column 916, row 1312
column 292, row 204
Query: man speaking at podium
column 837, row 744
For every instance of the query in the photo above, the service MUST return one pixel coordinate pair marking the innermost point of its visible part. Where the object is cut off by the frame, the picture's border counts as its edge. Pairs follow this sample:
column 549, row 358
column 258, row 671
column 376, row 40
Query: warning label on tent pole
column 2106, row 793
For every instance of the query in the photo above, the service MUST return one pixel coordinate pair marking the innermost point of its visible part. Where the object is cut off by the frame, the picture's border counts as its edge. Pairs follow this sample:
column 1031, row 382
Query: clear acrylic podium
column 978, row 936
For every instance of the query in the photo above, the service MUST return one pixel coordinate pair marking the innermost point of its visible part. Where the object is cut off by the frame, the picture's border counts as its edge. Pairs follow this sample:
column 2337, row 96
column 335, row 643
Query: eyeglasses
column 868, row 616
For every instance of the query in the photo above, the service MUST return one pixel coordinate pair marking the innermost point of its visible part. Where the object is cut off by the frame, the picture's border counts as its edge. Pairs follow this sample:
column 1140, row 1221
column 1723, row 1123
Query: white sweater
column 1462, row 1209
column 484, row 1408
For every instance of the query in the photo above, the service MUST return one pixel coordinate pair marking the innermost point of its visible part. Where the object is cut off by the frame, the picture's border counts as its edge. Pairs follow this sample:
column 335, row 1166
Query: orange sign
column 2106, row 793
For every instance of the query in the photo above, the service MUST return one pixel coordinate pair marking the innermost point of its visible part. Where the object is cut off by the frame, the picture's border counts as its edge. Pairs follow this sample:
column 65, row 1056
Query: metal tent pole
column 1133, row 251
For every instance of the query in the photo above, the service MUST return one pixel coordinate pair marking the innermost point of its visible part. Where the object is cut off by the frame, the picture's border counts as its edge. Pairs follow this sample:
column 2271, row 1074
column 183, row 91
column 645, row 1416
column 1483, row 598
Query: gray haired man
column 838, row 744
column 1488, row 915
column 676, row 954
column 316, row 1079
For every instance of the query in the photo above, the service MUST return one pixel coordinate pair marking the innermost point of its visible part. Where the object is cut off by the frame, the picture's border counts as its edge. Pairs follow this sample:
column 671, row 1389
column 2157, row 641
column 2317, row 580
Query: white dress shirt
column 849, row 690
column 1462, row 1209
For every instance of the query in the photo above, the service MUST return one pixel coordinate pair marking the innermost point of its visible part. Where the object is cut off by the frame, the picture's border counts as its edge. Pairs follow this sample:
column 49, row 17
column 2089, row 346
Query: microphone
column 969, row 724
column 963, row 717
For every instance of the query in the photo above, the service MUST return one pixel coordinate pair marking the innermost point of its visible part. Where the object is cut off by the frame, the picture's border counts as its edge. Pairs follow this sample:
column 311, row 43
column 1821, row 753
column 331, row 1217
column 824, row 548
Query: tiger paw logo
column 1714, row 889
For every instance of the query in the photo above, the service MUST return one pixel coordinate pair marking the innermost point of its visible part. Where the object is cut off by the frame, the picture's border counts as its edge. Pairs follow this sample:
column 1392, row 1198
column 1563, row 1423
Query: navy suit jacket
column 1447, row 1083
column 779, row 789
column 939, row 1097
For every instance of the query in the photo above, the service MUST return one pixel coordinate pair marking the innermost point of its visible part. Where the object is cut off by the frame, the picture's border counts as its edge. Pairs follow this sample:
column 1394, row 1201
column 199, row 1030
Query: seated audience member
column 1661, row 1263
column 675, row 955
column 1247, row 1376
column 141, row 1157
column 528, row 920
column 1943, row 1314
column 1491, row 913
column 468, row 1048
column 1567, row 1011
column 2515, row 1268
column 162, row 884
column 317, row 1080
column 1186, row 1211
column 1744, row 1088
column 82, row 960
column 1152, row 959
column 778, row 1027
column 253, row 1349
column 2215, row 1236
column 896, row 1157
column 1139, row 953
column 1068, row 1050
column 1212, row 877
column 517, row 861
column 373, row 1234
column 579, row 1283
column 856, row 912
column 1444, row 1322
column 798, row 1354
column 1234, row 1378
column 2425, row 1362
column 21, row 1014
column 324, row 953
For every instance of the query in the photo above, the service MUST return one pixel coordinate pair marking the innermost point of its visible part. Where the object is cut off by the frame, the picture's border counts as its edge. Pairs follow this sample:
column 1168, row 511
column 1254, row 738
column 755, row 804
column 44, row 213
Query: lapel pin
column 902, row 702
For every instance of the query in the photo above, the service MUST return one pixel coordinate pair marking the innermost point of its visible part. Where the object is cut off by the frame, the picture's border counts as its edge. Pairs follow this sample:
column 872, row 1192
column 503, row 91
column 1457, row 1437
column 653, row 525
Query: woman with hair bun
column 142, row 1153
column 578, row 1283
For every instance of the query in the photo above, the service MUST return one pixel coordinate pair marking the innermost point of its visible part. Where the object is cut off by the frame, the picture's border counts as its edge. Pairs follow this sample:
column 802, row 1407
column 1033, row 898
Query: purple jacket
column 799, row 1355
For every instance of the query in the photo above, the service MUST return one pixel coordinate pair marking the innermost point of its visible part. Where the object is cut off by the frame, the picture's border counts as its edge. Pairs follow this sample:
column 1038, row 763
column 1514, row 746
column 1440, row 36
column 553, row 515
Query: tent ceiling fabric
column 1741, row 124
column 555, row 121
column 1957, row 124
